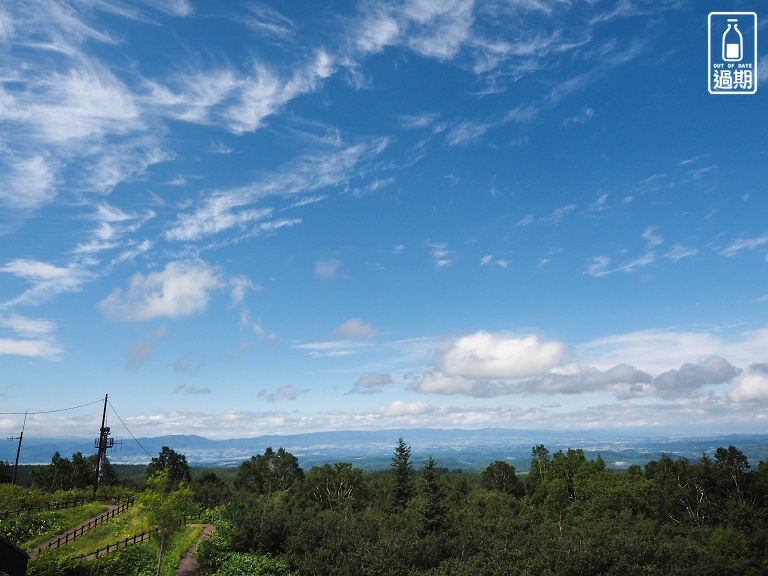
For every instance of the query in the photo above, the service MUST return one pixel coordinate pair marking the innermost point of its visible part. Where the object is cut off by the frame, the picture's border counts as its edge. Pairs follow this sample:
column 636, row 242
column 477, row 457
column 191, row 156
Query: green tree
column 760, row 487
column 540, row 465
column 500, row 476
column 333, row 487
column 83, row 471
column 167, row 506
column 269, row 472
column 431, row 499
column 674, row 491
column 460, row 486
column 735, row 465
column 174, row 463
column 248, row 564
column 566, row 466
column 6, row 472
column 108, row 473
column 55, row 476
column 210, row 490
column 254, row 523
column 402, row 475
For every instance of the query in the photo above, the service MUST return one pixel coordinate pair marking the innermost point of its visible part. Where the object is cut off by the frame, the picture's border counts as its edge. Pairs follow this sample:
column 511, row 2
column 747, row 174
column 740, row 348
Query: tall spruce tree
column 433, row 491
column 402, row 475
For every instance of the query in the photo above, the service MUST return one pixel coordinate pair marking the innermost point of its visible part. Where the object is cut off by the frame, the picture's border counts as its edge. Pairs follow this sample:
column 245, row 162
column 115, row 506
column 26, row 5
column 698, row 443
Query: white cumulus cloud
column 181, row 289
column 492, row 356
column 753, row 388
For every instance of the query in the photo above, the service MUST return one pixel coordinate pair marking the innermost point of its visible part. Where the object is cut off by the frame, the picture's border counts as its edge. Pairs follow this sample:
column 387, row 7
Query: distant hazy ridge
column 465, row 449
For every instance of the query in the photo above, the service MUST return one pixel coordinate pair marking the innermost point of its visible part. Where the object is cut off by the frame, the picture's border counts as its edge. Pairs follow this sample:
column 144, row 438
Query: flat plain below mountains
column 469, row 450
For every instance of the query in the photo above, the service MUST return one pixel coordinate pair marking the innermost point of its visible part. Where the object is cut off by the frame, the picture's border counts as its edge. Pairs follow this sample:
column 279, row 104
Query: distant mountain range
column 469, row 450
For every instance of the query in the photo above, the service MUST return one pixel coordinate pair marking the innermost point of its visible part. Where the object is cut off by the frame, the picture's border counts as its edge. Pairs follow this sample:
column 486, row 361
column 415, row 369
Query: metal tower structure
column 103, row 443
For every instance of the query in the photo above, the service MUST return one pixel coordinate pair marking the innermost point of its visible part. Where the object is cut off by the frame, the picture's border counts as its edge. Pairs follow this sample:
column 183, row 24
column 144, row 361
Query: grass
column 181, row 543
column 32, row 530
column 126, row 525
column 142, row 558
column 29, row 530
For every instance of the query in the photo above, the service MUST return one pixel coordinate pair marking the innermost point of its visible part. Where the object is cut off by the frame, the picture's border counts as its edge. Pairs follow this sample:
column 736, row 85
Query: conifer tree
column 432, row 495
column 402, row 475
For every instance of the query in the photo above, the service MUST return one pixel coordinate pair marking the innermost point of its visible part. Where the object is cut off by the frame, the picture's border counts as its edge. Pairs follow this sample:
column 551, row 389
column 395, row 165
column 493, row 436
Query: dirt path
column 188, row 565
column 33, row 554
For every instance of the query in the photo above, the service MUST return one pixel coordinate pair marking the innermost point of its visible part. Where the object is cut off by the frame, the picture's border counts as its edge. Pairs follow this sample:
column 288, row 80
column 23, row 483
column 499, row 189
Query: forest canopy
column 567, row 515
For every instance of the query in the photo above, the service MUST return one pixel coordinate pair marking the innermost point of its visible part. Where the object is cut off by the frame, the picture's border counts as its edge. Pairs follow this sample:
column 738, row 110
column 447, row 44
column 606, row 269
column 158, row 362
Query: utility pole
column 102, row 443
column 18, row 450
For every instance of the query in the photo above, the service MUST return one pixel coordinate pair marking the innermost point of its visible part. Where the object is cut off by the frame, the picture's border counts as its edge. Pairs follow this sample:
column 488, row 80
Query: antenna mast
column 102, row 443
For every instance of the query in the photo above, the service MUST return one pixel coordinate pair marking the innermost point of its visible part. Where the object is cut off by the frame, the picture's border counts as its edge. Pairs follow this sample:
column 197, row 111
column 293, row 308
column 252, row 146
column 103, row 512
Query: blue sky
column 244, row 218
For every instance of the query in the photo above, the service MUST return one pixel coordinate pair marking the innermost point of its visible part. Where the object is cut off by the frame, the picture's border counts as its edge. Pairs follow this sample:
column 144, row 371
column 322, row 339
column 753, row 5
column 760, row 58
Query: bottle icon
column 733, row 42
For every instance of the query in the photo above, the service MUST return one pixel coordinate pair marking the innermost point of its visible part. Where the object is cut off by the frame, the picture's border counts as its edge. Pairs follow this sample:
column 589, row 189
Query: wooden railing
column 69, row 536
column 136, row 539
column 73, row 503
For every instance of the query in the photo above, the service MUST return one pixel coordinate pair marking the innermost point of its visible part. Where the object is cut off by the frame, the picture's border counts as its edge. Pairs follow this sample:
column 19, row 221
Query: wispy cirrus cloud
column 113, row 225
column 47, row 280
column 442, row 256
column 270, row 22
column 235, row 208
column 256, row 327
column 33, row 337
column 28, row 182
column 86, row 103
column 75, row 121
column 494, row 40
column 418, row 121
column 31, row 348
column 333, row 348
column 28, row 326
column 240, row 100
column 600, row 266
column 467, row 132
column 179, row 8
column 745, row 244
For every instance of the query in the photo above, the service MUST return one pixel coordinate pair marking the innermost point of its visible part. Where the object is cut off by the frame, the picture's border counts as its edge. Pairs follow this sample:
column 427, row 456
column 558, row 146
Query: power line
column 126, row 427
column 82, row 406
column 50, row 411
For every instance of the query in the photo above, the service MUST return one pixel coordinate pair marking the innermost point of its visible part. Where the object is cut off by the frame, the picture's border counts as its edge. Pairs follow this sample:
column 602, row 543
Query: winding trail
column 188, row 564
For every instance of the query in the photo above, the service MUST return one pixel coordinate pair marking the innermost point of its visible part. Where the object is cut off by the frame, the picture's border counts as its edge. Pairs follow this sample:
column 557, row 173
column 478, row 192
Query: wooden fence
column 136, row 539
column 73, row 503
column 69, row 536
